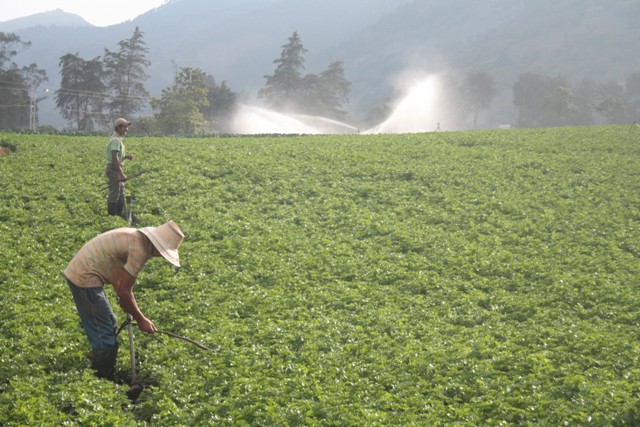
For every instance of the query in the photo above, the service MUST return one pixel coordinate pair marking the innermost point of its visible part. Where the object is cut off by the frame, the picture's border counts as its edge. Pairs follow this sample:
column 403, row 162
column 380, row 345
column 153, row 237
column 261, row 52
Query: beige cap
column 122, row 121
column 166, row 238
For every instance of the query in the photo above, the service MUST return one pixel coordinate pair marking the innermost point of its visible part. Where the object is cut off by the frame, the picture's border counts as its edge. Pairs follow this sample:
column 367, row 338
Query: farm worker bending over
column 115, row 156
column 115, row 257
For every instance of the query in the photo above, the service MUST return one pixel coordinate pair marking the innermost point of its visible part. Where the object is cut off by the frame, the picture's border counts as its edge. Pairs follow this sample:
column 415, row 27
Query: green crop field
column 480, row 278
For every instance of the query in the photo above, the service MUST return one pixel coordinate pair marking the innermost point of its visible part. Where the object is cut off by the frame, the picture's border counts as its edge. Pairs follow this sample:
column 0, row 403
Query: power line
column 71, row 91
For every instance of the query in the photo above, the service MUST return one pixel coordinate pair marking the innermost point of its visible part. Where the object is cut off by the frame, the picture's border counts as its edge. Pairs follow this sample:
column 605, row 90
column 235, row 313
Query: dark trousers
column 116, row 197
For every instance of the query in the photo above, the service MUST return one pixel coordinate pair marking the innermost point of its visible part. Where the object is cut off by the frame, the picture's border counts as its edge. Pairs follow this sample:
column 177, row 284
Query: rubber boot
column 120, row 210
column 103, row 361
column 112, row 208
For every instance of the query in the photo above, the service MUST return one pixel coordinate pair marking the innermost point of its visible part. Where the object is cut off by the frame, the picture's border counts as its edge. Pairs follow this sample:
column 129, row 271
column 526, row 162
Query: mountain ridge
column 52, row 18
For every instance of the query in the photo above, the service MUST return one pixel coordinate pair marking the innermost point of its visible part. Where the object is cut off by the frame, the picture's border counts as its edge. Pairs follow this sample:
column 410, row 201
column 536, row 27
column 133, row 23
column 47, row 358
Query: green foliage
column 180, row 108
column 222, row 104
column 282, row 88
column 478, row 90
column 18, row 86
column 474, row 278
column 288, row 90
column 124, row 76
column 82, row 92
column 194, row 105
column 545, row 101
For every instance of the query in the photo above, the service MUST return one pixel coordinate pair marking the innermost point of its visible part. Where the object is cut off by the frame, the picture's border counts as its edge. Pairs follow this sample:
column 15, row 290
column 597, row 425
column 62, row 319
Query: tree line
column 545, row 101
column 18, row 85
column 93, row 92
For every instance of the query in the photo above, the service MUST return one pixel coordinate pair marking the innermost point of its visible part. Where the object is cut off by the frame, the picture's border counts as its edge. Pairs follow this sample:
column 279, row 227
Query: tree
column 80, row 98
column 324, row 94
column 14, row 100
column 282, row 90
column 180, row 107
column 616, row 109
column 479, row 90
column 222, row 103
column 529, row 93
column 124, row 76
column 585, row 93
column 632, row 85
column 559, row 108
column 613, row 104
column 334, row 91
column 10, row 45
column 18, row 87
column 287, row 90
column 33, row 78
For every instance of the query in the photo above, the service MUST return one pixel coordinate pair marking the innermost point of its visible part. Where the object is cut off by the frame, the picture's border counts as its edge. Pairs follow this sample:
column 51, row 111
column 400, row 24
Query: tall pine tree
column 124, row 76
column 283, row 89
column 287, row 90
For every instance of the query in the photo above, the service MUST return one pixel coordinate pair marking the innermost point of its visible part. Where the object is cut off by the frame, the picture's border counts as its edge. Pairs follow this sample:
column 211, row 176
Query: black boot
column 120, row 208
column 112, row 208
column 103, row 361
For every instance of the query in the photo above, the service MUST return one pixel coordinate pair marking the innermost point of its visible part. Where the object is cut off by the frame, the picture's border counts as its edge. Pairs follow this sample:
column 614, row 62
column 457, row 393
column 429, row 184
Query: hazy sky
column 100, row 13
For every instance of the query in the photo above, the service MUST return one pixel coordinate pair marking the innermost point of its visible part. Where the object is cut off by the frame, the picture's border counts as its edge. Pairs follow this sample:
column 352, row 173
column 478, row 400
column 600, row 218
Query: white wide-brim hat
column 166, row 238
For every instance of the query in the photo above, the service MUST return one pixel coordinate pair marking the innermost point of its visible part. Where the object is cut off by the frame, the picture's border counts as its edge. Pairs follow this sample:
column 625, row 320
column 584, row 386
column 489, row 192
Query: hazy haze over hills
column 237, row 41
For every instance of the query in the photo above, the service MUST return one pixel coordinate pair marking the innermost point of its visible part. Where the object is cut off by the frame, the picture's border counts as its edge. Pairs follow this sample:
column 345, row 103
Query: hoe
column 137, row 386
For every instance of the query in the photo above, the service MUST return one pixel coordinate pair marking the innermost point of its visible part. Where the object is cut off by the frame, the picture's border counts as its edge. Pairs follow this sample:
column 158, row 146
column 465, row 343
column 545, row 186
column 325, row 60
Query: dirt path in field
column 4, row 151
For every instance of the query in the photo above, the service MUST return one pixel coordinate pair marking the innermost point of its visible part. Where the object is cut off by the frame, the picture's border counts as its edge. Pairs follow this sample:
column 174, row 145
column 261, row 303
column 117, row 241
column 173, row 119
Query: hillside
column 54, row 18
column 237, row 41
column 574, row 38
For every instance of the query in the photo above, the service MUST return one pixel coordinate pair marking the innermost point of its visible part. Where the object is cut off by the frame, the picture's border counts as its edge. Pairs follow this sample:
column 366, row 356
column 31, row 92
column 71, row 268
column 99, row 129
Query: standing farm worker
column 115, row 257
column 115, row 173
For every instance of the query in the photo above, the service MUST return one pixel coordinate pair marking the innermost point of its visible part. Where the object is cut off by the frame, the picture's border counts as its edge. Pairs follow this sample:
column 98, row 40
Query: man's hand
column 146, row 325
column 129, row 157
column 123, row 285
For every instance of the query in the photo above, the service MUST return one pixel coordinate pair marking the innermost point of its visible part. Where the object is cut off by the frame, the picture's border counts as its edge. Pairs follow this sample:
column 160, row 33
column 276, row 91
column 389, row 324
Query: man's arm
column 116, row 164
column 123, row 286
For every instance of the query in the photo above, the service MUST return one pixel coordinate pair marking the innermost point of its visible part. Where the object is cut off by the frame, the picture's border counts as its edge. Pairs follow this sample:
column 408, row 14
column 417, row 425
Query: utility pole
column 33, row 108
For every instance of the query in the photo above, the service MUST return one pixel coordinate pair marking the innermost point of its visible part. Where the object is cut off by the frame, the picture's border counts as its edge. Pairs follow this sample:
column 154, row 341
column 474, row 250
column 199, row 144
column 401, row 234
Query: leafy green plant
column 471, row 278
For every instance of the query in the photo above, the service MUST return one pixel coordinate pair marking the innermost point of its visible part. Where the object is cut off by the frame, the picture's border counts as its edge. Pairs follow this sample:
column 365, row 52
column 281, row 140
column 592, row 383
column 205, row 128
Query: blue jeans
column 96, row 316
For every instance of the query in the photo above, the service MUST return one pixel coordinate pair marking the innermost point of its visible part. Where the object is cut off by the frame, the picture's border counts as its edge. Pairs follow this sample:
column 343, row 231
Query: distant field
column 473, row 279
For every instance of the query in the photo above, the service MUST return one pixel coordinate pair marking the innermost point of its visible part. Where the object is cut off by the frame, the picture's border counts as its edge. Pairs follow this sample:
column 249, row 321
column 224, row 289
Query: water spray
column 419, row 110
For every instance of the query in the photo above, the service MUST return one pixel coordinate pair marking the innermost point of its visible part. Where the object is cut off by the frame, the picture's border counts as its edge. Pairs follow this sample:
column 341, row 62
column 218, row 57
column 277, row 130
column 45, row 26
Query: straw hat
column 166, row 238
column 121, row 121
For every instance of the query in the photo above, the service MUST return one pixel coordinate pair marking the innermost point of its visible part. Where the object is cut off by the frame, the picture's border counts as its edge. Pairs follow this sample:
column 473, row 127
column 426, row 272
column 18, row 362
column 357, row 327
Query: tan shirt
column 100, row 260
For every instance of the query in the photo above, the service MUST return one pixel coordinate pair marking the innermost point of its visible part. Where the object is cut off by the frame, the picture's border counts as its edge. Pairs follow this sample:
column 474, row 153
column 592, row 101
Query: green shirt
column 115, row 144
